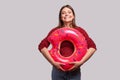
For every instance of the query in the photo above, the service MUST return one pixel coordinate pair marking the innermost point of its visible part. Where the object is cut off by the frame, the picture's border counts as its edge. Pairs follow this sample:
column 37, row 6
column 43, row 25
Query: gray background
column 24, row 23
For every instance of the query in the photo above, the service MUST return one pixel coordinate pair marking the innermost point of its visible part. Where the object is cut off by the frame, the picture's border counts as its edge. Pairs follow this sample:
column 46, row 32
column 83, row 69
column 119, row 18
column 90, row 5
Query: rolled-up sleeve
column 91, row 43
column 45, row 42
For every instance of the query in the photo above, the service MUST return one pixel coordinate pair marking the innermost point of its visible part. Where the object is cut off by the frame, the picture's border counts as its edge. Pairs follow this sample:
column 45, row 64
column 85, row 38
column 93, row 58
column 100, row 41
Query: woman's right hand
column 58, row 65
column 47, row 55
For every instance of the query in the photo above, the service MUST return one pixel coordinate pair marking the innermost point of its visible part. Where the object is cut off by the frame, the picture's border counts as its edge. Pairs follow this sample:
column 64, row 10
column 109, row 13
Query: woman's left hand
column 76, row 65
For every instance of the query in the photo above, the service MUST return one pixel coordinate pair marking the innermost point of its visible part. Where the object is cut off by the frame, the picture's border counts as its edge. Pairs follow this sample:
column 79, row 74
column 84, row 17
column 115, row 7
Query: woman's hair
column 61, row 24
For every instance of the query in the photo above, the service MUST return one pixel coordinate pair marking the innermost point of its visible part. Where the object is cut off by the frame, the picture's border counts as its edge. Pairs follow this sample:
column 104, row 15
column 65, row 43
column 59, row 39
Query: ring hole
column 66, row 48
column 50, row 47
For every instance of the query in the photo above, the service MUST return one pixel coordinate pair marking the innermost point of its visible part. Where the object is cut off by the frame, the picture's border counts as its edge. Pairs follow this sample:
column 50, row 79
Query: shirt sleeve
column 90, row 42
column 45, row 42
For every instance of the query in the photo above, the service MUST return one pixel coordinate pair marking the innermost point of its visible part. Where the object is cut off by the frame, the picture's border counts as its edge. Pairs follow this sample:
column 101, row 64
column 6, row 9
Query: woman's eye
column 69, row 12
column 63, row 13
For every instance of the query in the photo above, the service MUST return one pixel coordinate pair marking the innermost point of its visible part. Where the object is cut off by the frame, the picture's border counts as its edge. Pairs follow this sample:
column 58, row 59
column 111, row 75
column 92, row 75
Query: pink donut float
column 72, row 35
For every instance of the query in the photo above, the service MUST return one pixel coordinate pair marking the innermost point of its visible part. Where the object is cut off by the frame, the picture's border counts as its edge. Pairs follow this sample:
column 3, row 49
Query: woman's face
column 67, row 15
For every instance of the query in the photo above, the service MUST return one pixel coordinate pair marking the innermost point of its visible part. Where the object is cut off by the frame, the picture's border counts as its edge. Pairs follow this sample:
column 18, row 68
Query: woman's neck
column 68, row 25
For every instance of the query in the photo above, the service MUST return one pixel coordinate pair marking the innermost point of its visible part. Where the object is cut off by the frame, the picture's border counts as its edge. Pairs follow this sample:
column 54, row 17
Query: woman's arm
column 47, row 55
column 87, row 56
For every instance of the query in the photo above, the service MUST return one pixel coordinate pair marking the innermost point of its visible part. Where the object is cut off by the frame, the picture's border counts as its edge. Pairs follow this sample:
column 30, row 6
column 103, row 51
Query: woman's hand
column 87, row 56
column 58, row 65
column 76, row 65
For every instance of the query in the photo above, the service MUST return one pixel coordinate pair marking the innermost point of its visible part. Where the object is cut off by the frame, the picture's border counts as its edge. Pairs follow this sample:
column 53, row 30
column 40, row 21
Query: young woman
column 67, row 19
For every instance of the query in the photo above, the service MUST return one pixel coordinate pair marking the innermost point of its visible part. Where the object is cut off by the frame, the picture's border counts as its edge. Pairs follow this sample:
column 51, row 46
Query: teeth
column 66, row 17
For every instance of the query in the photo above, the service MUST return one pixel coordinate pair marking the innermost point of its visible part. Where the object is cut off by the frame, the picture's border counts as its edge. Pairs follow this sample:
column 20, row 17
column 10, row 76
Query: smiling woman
column 67, row 15
column 67, row 20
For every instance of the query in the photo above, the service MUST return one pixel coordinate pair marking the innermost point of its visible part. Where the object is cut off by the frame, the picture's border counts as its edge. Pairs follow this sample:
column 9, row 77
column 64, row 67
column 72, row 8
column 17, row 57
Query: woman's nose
column 66, row 14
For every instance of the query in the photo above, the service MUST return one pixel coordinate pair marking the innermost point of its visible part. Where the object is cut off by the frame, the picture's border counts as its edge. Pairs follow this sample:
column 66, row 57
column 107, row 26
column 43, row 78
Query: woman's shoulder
column 79, row 28
column 52, row 30
column 83, row 31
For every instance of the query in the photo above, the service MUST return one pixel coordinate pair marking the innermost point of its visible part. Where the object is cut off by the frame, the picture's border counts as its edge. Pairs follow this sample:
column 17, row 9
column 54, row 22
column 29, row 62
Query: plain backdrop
column 24, row 23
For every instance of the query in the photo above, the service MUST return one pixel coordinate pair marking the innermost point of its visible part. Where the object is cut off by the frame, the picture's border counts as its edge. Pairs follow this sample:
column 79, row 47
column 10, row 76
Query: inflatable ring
column 72, row 35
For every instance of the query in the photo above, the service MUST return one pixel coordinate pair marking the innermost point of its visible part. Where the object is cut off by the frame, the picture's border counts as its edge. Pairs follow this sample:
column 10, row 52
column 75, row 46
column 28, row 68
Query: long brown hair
column 61, row 24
